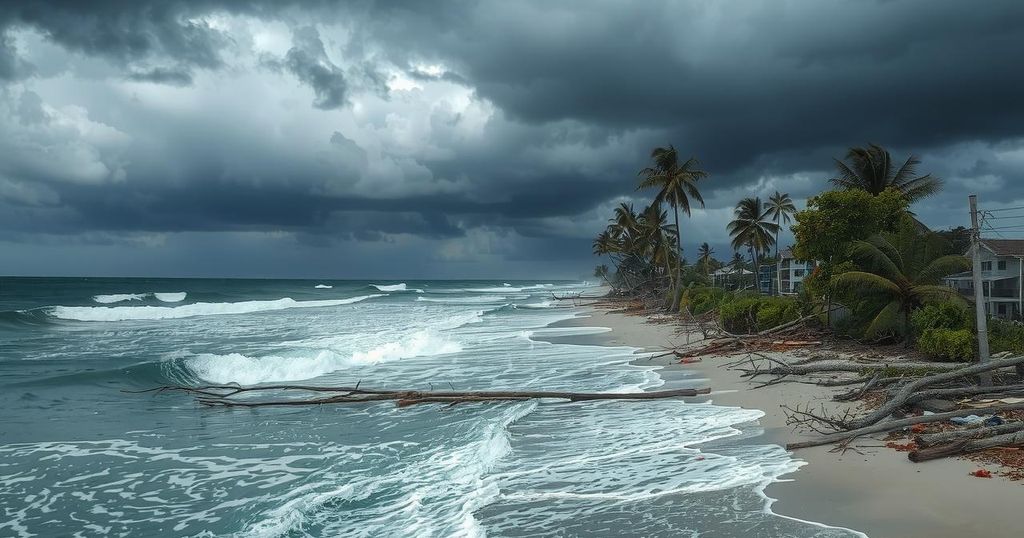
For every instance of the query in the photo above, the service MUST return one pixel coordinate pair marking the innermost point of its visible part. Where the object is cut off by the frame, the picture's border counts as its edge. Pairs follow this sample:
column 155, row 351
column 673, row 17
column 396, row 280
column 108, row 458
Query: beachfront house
column 731, row 277
column 785, row 277
column 1002, row 272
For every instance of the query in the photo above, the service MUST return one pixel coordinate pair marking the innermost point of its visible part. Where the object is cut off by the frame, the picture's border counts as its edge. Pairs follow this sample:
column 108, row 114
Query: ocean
column 79, row 456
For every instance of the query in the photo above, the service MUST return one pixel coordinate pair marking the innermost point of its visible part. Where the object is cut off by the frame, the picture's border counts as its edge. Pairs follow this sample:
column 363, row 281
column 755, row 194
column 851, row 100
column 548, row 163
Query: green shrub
column 947, row 344
column 750, row 313
column 700, row 300
column 775, row 311
column 1005, row 336
column 740, row 315
column 944, row 315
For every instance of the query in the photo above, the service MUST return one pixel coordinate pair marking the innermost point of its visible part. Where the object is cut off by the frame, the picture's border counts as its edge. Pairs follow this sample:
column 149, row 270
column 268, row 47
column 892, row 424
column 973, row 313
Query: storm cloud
column 468, row 138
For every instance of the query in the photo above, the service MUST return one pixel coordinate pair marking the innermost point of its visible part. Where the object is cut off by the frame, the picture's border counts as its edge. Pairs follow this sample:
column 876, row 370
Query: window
column 986, row 266
column 1002, row 309
column 1001, row 265
column 798, row 272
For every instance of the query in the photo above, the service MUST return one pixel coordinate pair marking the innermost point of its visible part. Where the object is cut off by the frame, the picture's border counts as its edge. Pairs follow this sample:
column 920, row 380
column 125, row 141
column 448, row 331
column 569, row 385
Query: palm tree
column 887, row 274
column 676, row 184
column 752, row 228
column 704, row 253
column 657, row 235
column 871, row 169
column 780, row 208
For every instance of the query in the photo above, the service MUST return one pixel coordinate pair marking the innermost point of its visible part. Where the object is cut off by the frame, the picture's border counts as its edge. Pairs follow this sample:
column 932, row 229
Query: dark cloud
column 164, row 75
column 485, row 122
column 308, row 61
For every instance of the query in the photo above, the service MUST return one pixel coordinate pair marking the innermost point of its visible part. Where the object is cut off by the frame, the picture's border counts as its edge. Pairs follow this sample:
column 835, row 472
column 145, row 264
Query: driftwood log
column 967, row 446
column 225, row 395
column 926, row 440
column 899, row 424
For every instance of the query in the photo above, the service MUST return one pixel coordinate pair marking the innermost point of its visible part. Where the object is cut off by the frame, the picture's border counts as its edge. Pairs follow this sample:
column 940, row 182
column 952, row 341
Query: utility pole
column 985, row 379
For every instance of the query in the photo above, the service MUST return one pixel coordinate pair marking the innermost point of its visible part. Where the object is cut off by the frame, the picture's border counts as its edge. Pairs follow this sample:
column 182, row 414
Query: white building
column 1002, row 271
column 792, row 273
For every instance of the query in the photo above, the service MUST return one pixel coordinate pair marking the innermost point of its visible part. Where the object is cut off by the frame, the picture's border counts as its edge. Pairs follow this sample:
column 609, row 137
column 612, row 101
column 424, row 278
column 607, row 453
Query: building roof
column 1005, row 247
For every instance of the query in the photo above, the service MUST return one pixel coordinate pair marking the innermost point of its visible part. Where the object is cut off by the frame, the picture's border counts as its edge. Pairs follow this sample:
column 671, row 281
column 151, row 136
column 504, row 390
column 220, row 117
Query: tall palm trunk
column 757, row 269
column 778, row 263
column 679, row 262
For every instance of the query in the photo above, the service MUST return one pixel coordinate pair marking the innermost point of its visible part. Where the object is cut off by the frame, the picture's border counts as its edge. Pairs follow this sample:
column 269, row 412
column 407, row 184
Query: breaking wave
column 126, row 313
column 395, row 287
column 169, row 297
column 119, row 297
column 323, row 287
column 238, row 368
column 509, row 288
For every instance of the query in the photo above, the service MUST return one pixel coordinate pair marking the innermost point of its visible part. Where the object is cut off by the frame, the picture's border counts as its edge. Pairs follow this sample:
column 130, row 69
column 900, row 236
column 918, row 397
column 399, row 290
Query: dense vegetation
column 874, row 261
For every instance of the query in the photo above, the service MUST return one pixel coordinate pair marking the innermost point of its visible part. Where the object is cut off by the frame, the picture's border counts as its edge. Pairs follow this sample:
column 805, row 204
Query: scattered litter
column 994, row 420
column 908, row 447
column 968, row 420
column 689, row 360
column 982, row 473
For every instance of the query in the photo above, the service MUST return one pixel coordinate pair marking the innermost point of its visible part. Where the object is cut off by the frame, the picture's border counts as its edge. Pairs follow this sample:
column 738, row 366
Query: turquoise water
column 80, row 456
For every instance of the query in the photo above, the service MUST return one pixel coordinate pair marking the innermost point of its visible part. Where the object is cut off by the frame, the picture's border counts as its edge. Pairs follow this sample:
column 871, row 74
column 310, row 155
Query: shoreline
column 873, row 490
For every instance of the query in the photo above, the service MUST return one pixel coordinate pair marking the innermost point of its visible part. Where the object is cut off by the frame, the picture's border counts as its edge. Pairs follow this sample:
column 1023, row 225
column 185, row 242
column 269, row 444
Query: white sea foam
column 323, row 286
column 119, row 297
column 238, row 368
column 506, row 287
column 173, row 297
column 479, row 299
column 125, row 313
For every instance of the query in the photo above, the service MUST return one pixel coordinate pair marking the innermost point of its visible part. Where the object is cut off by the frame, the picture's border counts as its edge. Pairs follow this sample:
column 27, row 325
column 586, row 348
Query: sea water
column 81, row 456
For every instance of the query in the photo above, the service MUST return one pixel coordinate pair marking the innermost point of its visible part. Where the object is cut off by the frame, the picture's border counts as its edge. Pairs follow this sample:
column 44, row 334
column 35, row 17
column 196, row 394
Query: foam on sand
column 126, row 313
column 238, row 368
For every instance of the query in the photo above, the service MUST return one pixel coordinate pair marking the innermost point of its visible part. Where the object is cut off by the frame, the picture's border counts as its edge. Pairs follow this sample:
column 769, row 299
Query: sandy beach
column 877, row 491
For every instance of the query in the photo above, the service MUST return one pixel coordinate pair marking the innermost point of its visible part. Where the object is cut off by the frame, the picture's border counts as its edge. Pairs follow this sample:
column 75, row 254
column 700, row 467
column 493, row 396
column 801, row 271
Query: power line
column 1003, row 209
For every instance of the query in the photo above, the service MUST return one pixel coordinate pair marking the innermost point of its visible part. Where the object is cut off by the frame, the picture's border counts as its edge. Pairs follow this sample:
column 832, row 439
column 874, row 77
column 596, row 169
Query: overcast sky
column 466, row 138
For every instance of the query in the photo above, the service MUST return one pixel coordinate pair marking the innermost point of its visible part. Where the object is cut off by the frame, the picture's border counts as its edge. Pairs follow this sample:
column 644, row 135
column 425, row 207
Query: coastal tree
column 677, row 184
column 704, row 256
column 752, row 228
column 871, row 169
column 889, row 275
column 780, row 209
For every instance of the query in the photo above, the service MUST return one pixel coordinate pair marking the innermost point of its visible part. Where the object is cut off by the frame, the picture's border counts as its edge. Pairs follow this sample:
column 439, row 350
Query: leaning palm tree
column 753, row 229
column 871, row 169
column 677, row 184
column 887, row 274
column 780, row 210
column 704, row 253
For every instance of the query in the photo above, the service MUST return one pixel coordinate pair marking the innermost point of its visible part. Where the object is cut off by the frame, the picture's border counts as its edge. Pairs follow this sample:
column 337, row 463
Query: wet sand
column 878, row 491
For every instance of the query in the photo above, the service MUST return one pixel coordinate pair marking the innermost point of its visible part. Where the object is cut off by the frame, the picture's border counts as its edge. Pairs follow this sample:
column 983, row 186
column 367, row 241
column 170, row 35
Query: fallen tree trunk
column 899, row 424
column 848, row 366
column 966, row 447
column 907, row 391
column 926, row 440
column 223, row 395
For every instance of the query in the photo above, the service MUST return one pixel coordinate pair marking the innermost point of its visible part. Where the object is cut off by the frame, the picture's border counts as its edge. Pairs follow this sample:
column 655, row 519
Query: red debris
column 982, row 473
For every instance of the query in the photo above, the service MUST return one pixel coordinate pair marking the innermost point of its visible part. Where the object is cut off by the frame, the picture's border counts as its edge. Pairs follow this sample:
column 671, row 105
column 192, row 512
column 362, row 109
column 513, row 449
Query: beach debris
column 981, row 473
column 968, row 420
column 271, row 395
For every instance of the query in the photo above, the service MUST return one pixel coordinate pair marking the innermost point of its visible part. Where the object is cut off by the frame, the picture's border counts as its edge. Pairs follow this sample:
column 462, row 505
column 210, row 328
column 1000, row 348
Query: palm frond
column 885, row 322
column 942, row 267
column 866, row 283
